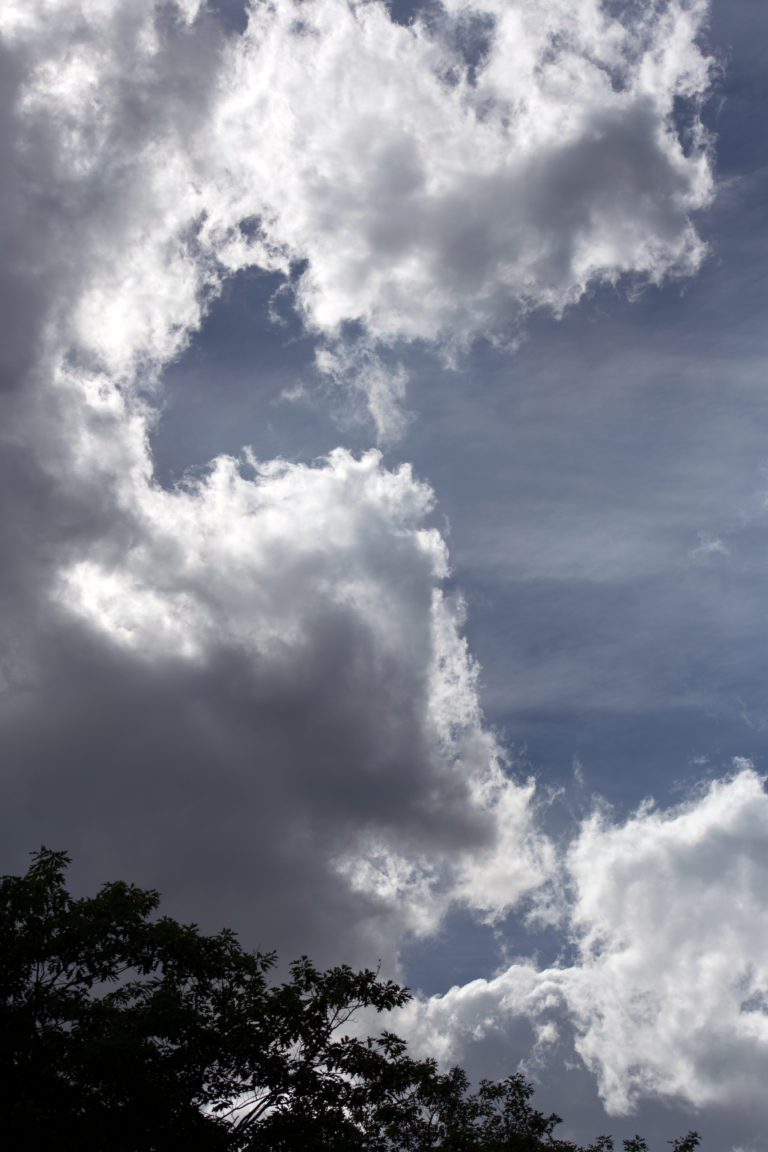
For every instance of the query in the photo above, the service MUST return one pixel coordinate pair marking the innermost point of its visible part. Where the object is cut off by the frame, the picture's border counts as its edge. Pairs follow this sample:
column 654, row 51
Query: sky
column 384, row 510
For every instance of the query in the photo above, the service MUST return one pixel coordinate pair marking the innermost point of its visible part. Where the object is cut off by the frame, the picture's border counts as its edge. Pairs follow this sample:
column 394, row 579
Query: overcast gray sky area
column 384, row 510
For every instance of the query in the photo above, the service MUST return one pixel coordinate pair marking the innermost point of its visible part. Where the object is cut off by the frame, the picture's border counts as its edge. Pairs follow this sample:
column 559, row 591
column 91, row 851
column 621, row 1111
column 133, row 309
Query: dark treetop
column 125, row 1031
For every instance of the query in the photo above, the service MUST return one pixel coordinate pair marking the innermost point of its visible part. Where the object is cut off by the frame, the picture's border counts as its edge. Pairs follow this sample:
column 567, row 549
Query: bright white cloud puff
column 438, row 178
column 668, row 992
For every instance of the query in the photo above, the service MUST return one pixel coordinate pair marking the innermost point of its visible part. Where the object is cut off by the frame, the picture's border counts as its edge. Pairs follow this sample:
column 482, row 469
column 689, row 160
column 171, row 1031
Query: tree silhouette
column 125, row 1031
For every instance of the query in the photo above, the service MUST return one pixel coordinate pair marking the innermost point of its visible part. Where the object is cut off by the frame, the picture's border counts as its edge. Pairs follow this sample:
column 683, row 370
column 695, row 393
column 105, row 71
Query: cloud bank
column 253, row 690
column 267, row 626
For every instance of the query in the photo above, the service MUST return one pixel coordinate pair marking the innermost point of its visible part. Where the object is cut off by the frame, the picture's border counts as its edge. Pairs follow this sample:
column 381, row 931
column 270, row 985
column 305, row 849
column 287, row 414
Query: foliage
column 125, row 1031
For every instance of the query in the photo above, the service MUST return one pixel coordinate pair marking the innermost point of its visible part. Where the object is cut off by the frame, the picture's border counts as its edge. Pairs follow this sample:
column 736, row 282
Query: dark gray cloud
column 227, row 792
column 237, row 746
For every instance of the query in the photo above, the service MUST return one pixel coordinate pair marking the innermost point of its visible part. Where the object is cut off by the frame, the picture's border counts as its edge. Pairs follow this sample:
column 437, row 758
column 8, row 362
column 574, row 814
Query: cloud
column 428, row 179
column 439, row 181
column 99, row 197
column 432, row 182
column 709, row 547
column 254, row 685
column 666, row 995
column 253, row 690
column 434, row 198
column 670, row 917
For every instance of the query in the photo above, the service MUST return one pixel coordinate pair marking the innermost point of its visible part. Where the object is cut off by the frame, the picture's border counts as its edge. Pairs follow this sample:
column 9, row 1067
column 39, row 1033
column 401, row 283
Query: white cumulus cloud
column 667, row 994
column 431, row 182
column 440, row 177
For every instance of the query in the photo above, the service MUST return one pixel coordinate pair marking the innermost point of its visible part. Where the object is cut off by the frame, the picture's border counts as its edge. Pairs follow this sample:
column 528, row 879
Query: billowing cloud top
column 434, row 181
column 438, row 178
